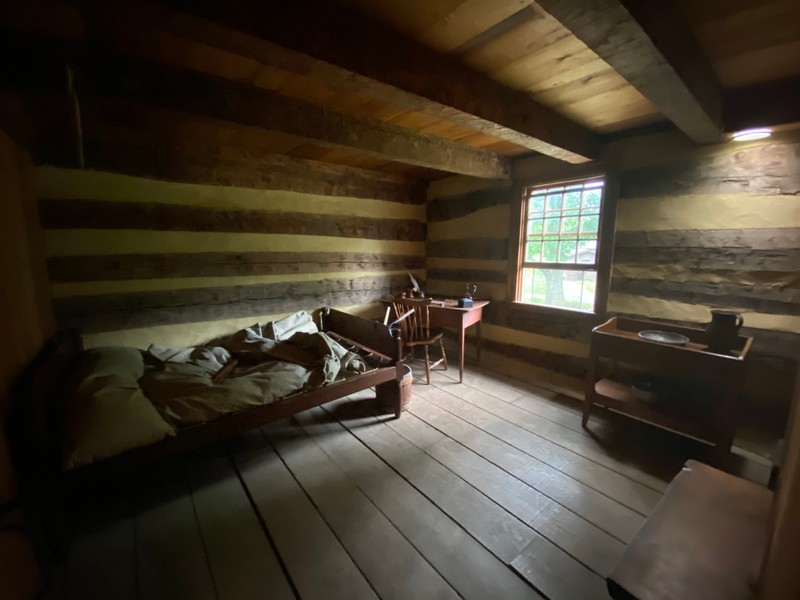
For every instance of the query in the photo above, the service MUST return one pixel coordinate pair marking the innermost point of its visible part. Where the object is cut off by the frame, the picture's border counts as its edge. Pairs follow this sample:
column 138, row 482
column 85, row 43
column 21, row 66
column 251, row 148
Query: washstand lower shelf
column 617, row 396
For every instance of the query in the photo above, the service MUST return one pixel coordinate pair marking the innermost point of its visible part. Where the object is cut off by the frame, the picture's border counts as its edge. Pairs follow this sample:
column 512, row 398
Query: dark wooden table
column 446, row 315
column 715, row 422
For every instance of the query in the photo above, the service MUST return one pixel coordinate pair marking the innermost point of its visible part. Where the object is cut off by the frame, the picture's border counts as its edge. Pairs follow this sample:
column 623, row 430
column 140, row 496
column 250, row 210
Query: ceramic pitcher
column 723, row 330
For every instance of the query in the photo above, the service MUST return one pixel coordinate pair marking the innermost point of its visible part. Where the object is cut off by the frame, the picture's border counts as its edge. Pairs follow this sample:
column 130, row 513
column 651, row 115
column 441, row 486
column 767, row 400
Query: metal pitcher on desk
column 723, row 330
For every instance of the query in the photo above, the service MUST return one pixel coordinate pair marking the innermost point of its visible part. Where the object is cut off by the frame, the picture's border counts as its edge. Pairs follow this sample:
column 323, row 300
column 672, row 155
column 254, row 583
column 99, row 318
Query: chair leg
column 427, row 365
column 444, row 356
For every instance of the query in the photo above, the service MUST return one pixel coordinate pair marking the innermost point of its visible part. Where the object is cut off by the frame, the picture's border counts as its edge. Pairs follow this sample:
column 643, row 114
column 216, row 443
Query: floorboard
column 512, row 496
column 319, row 566
column 618, row 487
column 467, row 566
column 391, row 564
column 586, row 446
column 242, row 562
column 567, row 530
column 486, row 489
column 605, row 513
column 500, row 532
column 171, row 557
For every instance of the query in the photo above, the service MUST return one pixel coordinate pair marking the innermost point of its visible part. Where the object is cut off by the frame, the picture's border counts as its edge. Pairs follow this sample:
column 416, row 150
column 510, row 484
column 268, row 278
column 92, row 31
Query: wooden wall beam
column 648, row 45
column 150, row 309
column 126, row 84
column 120, row 267
column 158, row 145
column 337, row 43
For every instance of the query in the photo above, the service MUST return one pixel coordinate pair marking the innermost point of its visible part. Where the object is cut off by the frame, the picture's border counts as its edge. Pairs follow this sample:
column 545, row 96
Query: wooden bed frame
column 34, row 424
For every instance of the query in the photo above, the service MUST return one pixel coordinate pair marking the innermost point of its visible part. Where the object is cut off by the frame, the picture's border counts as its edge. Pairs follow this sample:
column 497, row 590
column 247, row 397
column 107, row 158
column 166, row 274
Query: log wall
column 696, row 228
column 135, row 260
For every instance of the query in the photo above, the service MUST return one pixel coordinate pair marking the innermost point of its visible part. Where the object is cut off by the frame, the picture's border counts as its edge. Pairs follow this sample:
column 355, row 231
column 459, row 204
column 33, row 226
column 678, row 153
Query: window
column 559, row 250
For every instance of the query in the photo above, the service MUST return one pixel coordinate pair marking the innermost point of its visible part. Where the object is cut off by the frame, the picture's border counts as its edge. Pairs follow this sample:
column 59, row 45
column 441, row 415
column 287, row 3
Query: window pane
column 550, row 251
column 554, row 202
column 572, row 200
column 561, row 289
column 589, row 285
column 535, row 206
column 566, row 252
column 587, row 250
column 569, row 226
column 591, row 199
column 552, row 225
column 535, row 227
column 527, row 286
column 589, row 224
column 533, row 252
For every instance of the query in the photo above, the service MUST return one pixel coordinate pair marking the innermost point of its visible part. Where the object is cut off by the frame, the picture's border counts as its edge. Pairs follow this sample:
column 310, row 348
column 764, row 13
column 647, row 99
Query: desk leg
column 478, row 345
column 461, row 356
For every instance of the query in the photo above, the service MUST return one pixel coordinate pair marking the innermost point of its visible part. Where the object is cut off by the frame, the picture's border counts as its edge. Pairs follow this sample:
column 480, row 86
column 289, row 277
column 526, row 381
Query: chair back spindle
column 414, row 321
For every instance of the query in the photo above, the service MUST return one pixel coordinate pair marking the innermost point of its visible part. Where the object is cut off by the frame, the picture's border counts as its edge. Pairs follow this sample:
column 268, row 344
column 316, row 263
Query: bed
column 40, row 407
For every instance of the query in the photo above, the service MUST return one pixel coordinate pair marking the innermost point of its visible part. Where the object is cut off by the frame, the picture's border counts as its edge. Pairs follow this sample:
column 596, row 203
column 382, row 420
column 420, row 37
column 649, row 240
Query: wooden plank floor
column 485, row 489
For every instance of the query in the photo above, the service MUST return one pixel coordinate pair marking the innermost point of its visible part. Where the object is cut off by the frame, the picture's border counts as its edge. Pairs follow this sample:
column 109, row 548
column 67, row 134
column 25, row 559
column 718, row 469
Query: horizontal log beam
column 654, row 51
column 567, row 325
column 472, row 275
column 757, row 298
column 329, row 40
column 758, row 169
column 771, row 238
column 103, row 214
column 571, row 366
column 149, row 309
column 480, row 248
column 118, row 84
column 220, row 264
column 712, row 258
column 453, row 207
column 197, row 156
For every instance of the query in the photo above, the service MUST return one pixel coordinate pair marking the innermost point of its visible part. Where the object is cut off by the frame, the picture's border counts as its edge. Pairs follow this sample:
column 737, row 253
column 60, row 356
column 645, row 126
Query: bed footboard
column 370, row 335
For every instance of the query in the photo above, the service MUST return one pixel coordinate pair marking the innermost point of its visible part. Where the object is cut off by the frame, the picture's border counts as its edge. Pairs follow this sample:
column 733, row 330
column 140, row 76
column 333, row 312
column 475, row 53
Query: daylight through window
column 559, row 250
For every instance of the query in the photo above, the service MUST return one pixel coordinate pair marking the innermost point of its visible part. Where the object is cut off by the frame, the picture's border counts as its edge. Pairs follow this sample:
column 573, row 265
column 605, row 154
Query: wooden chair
column 413, row 319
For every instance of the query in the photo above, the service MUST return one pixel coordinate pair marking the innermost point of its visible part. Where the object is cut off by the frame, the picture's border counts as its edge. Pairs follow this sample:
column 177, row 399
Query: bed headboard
column 37, row 399
column 372, row 334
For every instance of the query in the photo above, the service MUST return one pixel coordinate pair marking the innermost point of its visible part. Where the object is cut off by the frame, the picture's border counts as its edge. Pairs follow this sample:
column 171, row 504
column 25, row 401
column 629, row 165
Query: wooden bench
column 705, row 540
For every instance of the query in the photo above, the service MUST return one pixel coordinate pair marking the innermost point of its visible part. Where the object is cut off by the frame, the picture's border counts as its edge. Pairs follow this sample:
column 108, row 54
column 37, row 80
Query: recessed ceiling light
column 746, row 135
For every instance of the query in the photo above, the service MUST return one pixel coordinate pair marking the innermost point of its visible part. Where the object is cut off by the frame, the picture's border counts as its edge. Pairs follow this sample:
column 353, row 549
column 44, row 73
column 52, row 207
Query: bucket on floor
column 405, row 388
column 388, row 392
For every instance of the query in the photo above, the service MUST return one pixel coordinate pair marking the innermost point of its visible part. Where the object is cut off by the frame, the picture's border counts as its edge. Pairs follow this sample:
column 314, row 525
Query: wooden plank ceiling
column 419, row 88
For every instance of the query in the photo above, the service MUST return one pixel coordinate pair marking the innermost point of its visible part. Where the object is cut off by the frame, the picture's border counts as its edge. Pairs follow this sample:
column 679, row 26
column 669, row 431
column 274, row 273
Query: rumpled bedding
column 274, row 361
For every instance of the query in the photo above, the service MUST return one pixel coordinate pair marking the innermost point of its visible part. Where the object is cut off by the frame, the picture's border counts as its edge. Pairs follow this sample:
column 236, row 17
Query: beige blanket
column 178, row 381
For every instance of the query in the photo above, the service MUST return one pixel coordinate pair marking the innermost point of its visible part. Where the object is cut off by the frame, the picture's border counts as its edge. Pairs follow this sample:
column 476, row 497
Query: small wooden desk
column 448, row 316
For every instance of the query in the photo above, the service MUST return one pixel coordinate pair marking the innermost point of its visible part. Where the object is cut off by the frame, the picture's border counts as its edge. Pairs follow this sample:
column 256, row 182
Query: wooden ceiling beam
column 115, row 80
column 334, row 41
column 646, row 43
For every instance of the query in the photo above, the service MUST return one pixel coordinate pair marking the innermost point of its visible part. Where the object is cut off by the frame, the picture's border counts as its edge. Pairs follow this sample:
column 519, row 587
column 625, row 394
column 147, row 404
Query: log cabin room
column 551, row 195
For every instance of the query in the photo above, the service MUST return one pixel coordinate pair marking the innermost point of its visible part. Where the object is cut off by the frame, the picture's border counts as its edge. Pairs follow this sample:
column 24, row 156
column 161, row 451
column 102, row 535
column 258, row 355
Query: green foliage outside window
column 562, row 228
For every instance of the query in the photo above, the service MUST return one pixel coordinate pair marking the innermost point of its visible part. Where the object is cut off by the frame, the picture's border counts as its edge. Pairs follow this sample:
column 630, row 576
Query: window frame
column 605, row 239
